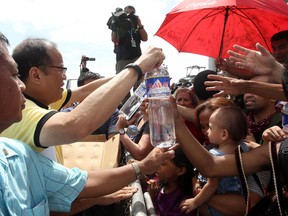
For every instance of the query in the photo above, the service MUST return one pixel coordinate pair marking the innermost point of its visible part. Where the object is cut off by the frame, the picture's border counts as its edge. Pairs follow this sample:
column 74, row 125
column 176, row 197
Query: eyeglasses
column 62, row 69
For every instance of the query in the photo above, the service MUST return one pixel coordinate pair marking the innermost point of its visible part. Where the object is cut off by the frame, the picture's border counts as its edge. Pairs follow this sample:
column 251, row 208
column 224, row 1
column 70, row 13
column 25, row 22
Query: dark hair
column 213, row 104
column 198, row 85
column 130, row 7
column 86, row 76
column 185, row 180
column 30, row 53
column 279, row 36
column 234, row 120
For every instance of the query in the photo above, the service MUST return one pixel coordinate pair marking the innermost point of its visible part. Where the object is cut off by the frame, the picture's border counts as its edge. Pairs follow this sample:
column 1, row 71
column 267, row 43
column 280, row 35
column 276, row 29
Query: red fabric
column 195, row 131
column 197, row 26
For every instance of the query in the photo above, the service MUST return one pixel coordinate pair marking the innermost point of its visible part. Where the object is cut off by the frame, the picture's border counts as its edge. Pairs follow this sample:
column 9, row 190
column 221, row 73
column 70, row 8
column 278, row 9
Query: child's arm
column 202, row 197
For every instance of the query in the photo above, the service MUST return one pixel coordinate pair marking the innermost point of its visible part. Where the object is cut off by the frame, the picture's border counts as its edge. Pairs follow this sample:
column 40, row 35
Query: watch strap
column 121, row 131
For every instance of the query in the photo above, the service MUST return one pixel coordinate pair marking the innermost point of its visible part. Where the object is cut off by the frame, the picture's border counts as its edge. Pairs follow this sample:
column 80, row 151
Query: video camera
column 120, row 19
column 85, row 58
column 83, row 62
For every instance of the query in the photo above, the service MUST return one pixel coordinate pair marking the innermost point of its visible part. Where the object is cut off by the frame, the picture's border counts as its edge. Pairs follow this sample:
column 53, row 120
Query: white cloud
column 79, row 27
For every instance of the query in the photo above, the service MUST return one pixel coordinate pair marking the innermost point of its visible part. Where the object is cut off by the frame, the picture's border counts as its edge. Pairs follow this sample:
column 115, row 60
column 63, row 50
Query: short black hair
column 279, row 36
column 199, row 87
column 234, row 120
column 130, row 7
column 86, row 76
column 32, row 52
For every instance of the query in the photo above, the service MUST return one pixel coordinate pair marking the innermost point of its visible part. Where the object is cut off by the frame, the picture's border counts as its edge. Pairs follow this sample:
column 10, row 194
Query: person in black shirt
column 127, row 36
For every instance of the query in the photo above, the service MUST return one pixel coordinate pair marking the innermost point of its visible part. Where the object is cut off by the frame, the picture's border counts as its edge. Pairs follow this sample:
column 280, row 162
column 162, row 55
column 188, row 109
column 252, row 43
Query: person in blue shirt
column 30, row 183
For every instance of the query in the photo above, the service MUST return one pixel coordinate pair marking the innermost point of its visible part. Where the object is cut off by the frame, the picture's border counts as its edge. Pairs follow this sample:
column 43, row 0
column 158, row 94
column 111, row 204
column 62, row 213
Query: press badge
column 133, row 43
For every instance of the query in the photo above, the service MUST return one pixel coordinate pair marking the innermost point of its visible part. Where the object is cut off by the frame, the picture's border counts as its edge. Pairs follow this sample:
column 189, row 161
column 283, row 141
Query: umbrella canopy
column 212, row 27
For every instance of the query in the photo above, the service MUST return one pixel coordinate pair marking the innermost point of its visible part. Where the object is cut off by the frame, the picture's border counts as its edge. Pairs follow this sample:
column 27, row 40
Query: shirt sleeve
column 62, row 185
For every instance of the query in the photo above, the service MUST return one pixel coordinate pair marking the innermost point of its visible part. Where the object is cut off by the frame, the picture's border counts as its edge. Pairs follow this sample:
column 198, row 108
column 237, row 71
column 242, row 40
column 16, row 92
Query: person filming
column 127, row 34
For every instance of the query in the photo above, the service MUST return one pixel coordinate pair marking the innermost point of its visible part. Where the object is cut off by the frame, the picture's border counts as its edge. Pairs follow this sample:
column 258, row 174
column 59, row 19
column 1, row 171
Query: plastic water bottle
column 134, row 102
column 132, row 131
column 285, row 117
column 161, row 119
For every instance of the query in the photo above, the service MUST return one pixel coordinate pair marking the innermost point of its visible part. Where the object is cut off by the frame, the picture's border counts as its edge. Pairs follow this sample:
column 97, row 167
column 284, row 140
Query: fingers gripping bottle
column 160, row 111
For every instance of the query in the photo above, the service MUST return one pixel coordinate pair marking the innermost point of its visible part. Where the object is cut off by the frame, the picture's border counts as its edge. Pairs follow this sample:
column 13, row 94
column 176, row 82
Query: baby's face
column 215, row 130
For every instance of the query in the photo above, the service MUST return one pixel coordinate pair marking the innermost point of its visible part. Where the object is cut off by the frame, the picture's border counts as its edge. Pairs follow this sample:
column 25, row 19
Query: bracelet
column 136, row 68
column 137, row 170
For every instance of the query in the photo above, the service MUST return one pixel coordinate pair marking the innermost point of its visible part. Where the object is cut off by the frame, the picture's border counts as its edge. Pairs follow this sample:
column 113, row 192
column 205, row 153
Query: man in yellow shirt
column 41, row 68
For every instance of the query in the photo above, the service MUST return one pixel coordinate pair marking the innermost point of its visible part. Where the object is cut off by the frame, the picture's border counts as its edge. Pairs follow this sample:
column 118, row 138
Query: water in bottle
column 160, row 111
column 133, row 103
column 285, row 117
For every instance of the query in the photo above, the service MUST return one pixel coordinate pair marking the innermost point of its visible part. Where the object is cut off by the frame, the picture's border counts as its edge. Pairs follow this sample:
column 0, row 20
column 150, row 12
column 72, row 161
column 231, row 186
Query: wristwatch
column 121, row 131
column 137, row 69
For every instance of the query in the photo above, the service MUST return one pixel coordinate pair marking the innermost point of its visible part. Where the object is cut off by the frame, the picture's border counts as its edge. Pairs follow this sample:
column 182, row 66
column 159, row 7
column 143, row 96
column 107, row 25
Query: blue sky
column 79, row 28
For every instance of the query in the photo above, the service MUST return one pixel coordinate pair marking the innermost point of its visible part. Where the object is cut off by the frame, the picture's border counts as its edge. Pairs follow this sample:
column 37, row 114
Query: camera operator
column 127, row 34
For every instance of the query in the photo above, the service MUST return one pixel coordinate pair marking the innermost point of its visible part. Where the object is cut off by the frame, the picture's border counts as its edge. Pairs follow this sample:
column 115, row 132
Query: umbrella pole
column 224, row 29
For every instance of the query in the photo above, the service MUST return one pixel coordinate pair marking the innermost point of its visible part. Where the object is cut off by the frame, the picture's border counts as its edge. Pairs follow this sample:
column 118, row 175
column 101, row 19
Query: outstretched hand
column 124, row 193
column 260, row 62
column 225, row 85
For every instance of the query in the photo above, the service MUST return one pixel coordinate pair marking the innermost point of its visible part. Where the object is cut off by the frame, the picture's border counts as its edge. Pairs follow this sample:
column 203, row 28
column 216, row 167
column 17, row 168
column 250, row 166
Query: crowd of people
column 198, row 176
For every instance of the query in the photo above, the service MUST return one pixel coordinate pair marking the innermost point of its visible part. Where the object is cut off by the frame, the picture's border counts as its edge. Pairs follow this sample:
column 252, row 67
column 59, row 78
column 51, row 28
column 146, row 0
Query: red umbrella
column 212, row 27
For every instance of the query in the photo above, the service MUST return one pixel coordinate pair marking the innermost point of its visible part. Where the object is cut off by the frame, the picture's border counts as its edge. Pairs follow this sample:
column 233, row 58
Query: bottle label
column 158, row 86
column 141, row 90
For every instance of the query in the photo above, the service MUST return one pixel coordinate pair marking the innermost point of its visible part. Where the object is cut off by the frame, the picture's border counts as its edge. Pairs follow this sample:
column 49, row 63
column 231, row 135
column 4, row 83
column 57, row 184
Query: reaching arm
column 211, row 166
column 232, row 86
column 107, row 181
column 80, row 205
column 137, row 150
column 80, row 93
column 187, row 113
column 96, row 108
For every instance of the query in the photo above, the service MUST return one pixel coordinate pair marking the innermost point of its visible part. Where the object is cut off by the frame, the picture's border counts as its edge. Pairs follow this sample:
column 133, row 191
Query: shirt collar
column 6, row 153
column 37, row 102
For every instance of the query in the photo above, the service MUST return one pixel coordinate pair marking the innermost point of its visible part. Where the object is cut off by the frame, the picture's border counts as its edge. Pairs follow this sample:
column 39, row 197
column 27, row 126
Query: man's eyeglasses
column 62, row 69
